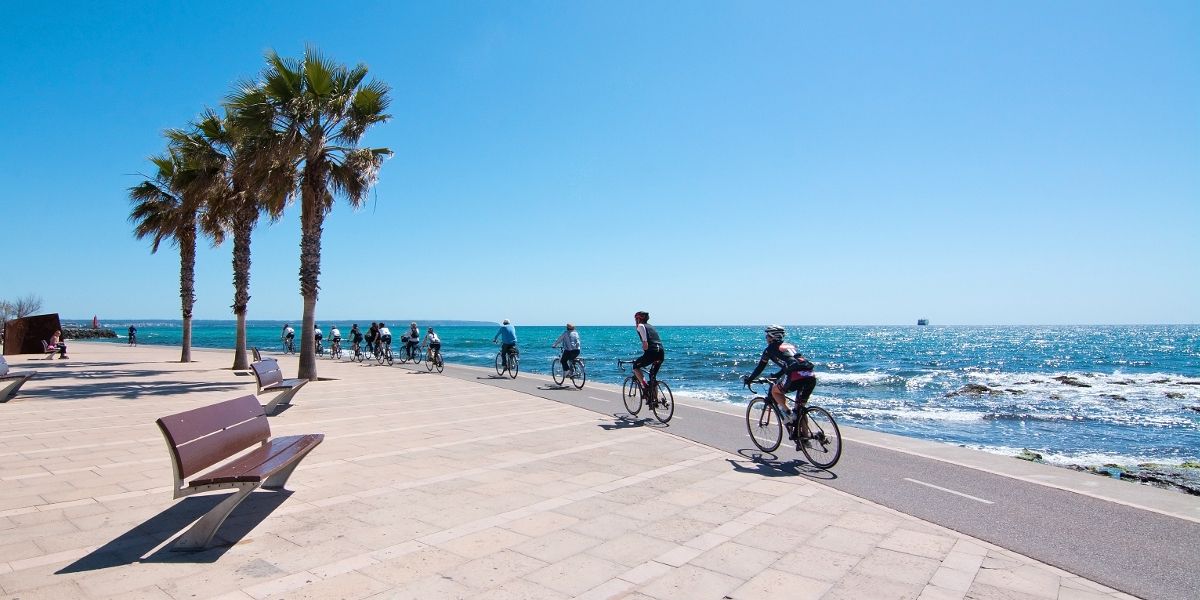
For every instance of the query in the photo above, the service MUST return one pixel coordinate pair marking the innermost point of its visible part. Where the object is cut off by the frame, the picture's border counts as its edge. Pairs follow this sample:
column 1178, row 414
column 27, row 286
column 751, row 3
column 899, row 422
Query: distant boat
column 922, row 321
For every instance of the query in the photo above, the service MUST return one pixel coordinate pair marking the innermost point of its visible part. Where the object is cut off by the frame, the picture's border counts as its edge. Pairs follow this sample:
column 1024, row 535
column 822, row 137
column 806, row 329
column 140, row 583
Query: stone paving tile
column 533, row 500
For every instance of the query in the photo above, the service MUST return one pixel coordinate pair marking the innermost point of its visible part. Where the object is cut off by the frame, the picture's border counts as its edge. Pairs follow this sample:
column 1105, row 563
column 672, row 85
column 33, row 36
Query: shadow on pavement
column 138, row 544
column 769, row 465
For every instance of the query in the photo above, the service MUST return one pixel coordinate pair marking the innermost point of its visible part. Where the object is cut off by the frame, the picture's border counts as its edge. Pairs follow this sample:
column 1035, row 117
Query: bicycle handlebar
column 750, row 384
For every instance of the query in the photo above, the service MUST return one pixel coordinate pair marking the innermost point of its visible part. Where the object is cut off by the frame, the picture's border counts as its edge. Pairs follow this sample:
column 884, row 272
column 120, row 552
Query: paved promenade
column 432, row 487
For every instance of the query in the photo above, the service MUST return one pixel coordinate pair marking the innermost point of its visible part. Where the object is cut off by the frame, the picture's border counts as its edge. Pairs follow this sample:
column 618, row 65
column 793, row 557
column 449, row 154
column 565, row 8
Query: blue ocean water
column 1076, row 394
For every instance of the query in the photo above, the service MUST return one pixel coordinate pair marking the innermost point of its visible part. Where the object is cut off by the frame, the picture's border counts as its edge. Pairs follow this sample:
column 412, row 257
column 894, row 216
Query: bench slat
column 267, row 372
column 204, row 436
column 262, row 462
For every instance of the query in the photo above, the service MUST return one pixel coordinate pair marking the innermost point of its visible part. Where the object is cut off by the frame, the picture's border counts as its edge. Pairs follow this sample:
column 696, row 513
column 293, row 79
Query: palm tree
column 241, row 186
column 163, row 209
column 318, row 111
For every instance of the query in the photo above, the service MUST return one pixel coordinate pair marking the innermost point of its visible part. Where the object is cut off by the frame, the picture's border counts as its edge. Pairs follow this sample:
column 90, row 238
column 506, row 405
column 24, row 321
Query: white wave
column 923, row 414
column 1086, row 459
column 862, row 379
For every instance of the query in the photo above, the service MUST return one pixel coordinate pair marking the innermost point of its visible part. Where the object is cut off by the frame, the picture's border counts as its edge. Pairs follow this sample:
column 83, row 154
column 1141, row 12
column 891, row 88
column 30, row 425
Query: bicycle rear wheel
column 631, row 392
column 556, row 371
column 764, row 424
column 429, row 361
column 664, row 403
column 416, row 356
column 439, row 363
column 819, row 438
column 514, row 365
column 579, row 375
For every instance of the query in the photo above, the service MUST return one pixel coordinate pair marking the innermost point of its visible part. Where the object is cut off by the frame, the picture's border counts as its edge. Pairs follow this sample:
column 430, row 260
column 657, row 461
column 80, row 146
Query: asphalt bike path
column 1137, row 551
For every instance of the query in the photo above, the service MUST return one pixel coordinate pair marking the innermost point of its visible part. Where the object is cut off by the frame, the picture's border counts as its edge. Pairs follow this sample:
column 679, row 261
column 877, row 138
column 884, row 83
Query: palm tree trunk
column 312, row 217
column 241, row 280
column 187, row 285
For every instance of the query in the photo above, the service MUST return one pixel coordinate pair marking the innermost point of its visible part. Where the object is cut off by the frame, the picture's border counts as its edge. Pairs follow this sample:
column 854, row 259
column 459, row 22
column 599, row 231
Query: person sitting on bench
column 57, row 343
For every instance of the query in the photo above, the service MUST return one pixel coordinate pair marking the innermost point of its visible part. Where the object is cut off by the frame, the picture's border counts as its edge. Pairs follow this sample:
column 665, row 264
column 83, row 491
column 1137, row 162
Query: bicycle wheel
column 631, row 392
column 579, row 375
column 764, row 424
column 439, row 363
column 416, row 356
column 820, row 439
column 500, row 366
column 387, row 354
column 556, row 371
column 514, row 365
column 664, row 403
column 429, row 362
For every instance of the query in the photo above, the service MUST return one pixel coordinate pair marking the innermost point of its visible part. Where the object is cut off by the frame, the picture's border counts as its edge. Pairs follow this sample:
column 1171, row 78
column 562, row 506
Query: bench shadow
column 770, row 465
column 138, row 544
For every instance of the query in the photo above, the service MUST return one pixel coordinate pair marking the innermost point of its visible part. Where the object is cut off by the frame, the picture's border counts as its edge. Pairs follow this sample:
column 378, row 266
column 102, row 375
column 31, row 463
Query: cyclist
column 372, row 337
column 412, row 338
column 356, row 338
column 132, row 335
column 288, row 336
column 569, row 340
column 317, row 336
column 795, row 372
column 433, row 343
column 385, row 337
column 507, row 334
column 652, row 351
column 335, row 334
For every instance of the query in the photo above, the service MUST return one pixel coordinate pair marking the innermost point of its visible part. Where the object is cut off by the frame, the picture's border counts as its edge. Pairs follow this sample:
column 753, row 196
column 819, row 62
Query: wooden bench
column 202, row 437
column 11, row 381
column 270, row 379
column 48, row 349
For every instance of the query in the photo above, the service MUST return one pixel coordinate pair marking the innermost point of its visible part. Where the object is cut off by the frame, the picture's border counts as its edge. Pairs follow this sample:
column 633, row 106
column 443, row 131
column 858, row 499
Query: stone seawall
column 87, row 333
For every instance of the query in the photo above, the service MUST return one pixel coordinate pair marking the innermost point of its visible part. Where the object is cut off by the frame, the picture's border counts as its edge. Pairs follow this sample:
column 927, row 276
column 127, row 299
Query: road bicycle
column 433, row 360
column 508, row 363
column 408, row 353
column 577, row 372
column 818, row 437
column 358, row 354
column 653, row 393
column 320, row 349
column 383, row 352
column 289, row 345
column 335, row 349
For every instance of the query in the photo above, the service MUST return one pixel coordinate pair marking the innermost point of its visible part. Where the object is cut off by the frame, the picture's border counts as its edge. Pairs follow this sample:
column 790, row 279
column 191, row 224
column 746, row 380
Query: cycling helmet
column 775, row 332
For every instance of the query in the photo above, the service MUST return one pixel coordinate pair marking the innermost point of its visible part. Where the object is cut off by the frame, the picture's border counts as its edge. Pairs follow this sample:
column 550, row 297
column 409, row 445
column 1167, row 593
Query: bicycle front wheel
column 579, row 375
column 764, row 424
column 514, row 365
column 500, row 366
column 820, row 439
column 556, row 371
column 664, row 403
column 632, row 394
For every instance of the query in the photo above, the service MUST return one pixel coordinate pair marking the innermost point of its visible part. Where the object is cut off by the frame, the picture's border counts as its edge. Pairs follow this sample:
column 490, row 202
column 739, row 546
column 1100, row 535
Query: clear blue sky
column 734, row 162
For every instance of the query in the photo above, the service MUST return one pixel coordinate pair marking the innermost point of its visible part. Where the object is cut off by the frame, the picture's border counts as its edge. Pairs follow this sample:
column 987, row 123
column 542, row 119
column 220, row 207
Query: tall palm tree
column 163, row 209
column 318, row 111
column 240, row 187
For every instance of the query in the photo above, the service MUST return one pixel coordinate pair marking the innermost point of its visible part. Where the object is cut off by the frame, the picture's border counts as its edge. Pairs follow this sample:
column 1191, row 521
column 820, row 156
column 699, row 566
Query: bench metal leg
column 278, row 480
column 283, row 398
column 200, row 534
column 8, row 389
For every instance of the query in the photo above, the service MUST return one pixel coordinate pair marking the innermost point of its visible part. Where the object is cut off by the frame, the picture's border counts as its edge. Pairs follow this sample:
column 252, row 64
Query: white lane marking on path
column 600, row 399
column 949, row 491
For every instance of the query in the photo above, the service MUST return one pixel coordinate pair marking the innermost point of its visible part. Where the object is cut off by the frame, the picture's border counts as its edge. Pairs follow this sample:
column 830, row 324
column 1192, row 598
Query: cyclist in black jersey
column 795, row 372
column 652, row 350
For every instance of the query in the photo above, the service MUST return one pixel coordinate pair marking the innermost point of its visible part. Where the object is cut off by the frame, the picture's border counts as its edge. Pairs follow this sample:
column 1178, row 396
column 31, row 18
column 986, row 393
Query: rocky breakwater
column 87, row 333
column 1183, row 477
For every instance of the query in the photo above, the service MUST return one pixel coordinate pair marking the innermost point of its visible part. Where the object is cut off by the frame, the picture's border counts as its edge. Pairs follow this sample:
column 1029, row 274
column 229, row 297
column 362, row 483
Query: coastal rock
column 1174, row 395
column 1029, row 455
column 1195, row 408
column 1114, row 397
column 1067, row 379
column 87, row 333
column 973, row 389
column 1183, row 478
column 1015, row 392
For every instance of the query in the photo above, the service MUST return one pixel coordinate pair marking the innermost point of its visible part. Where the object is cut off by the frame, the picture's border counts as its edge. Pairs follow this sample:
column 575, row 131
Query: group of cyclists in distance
column 766, row 417
column 377, row 340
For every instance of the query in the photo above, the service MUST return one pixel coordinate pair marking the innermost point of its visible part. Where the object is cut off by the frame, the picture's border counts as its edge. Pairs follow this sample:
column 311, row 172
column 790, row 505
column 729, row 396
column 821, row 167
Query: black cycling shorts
column 653, row 354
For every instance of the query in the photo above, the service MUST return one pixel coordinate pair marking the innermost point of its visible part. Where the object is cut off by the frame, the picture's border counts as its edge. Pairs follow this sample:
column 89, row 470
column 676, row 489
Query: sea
column 1086, row 395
